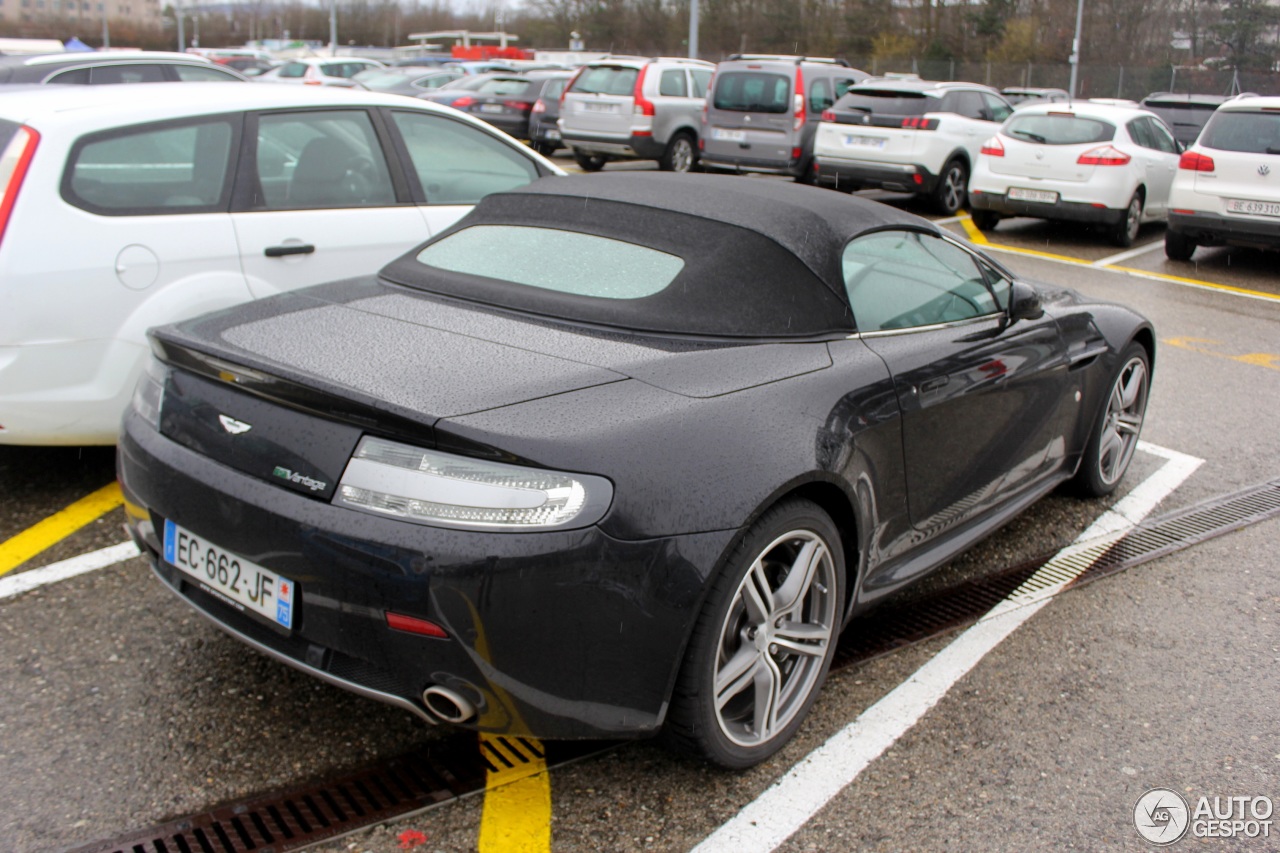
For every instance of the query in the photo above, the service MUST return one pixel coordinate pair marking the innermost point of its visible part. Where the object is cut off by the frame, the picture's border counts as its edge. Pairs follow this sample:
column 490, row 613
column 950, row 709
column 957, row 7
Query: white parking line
column 94, row 560
column 789, row 803
column 1131, row 253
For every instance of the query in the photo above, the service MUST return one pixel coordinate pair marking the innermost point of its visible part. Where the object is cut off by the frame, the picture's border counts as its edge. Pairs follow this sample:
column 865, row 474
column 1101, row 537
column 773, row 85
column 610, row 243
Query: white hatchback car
column 319, row 71
column 124, row 207
column 1080, row 162
column 1227, row 192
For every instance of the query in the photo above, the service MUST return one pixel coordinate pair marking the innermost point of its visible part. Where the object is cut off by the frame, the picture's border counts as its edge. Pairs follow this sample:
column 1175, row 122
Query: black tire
column 952, row 190
column 984, row 220
column 739, row 644
column 589, row 162
column 1178, row 247
column 546, row 149
column 1117, row 427
column 681, row 154
column 807, row 174
column 1124, row 232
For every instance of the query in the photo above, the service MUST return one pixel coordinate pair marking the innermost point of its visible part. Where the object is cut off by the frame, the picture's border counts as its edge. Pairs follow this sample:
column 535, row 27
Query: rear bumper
column 563, row 634
column 1067, row 211
column 1211, row 229
column 636, row 147
column 897, row 177
column 760, row 165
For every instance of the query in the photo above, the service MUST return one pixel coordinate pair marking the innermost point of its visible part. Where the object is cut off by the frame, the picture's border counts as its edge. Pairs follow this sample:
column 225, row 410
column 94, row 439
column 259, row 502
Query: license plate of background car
column 1257, row 208
column 491, row 108
column 246, row 585
column 728, row 135
column 851, row 141
column 1019, row 194
column 599, row 108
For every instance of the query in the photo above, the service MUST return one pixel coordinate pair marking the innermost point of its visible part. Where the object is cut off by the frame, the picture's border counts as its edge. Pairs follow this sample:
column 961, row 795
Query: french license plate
column 491, row 108
column 1256, row 208
column 1044, row 196
column 590, row 107
column 728, row 135
column 246, row 585
column 854, row 141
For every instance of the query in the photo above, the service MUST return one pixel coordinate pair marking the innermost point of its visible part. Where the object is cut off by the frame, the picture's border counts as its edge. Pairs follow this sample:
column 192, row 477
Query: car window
column 200, row 74
column 602, row 267
column 7, row 131
column 75, row 77
column 139, row 73
column 843, row 86
column 1161, row 136
column 293, row 69
column 820, row 95
column 970, row 105
column 1058, row 129
column 505, row 86
column 673, row 83
column 752, row 92
column 904, row 279
column 701, row 81
column 321, row 159
column 888, row 102
column 606, row 80
column 456, row 163
column 554, row 89
column 1140, row 133
column 1237, row 130
column 149, row 170
column 996, row 109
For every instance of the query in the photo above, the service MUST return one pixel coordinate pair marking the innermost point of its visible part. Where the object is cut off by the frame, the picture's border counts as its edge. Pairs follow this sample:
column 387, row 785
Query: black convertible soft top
column 762, row 257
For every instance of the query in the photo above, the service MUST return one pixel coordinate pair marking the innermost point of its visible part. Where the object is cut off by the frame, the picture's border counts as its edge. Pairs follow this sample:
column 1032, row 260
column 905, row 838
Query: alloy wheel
column 1123, row 424
column 775, row 638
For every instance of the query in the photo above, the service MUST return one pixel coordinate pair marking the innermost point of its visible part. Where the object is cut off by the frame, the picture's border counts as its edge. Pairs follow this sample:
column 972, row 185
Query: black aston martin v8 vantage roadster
column 617, row 454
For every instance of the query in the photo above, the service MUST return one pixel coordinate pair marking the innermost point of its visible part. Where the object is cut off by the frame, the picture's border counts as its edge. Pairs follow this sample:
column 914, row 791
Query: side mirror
column 1024, row 302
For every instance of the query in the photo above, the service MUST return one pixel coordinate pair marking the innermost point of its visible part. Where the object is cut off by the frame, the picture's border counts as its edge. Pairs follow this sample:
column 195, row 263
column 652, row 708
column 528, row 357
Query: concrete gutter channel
column 455, row 767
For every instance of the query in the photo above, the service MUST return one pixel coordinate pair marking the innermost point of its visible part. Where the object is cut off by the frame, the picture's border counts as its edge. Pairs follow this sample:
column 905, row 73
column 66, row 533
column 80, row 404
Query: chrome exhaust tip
column 448, row 705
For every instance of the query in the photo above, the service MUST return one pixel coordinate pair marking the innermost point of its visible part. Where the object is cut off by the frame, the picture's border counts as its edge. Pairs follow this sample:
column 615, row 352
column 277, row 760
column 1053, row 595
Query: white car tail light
column 1105, row 155
column 13, row 169
column 993, row 147
column 799, row 101
column 1194, row 161
column 443, row 489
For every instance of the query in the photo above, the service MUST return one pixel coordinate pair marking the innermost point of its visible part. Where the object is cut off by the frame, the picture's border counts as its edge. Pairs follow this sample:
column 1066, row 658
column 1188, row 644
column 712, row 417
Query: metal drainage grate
column 443, row 770
column 454, row 767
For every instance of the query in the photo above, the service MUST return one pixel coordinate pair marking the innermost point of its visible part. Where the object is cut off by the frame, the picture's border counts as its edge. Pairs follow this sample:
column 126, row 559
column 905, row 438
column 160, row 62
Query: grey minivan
column 763, row 110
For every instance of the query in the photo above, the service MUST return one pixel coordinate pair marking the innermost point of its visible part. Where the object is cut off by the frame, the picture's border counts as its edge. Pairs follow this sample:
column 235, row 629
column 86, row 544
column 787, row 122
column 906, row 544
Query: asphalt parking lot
column 124, row 709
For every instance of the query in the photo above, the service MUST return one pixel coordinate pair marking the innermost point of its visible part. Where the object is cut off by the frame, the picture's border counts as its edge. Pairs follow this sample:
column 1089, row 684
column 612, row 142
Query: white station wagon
column 124, row 207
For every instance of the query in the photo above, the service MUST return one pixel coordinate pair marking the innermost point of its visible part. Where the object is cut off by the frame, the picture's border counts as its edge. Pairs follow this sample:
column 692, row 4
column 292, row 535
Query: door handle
column 281, row 251
column 934, row 384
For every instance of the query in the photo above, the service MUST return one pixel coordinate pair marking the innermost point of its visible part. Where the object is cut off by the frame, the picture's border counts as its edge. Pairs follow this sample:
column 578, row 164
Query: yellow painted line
column 517, row 802
column 16, row 551
column 1268, row 360
column 977, row 237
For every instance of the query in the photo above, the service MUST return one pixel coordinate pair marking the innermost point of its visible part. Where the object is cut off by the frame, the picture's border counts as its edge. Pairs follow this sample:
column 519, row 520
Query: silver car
column 635, row 108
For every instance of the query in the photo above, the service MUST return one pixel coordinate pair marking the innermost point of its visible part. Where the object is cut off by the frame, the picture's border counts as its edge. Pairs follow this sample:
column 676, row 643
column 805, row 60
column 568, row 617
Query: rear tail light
column 1106, row 155
column 799, row 101
column 919, row 123
column 643, row 107
column 1194, row 161
column 569, row 86
column 828, row 115
column 522, row 106
column 993, row 147
column 414, row 625
column 431, row 487
column 463, row 102
column 796, row 153
column 312, row 77
column 13, row 168
column 539, row 106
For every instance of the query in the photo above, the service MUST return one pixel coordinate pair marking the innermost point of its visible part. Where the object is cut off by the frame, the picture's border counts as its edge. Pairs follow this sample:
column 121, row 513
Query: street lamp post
column 693, row 29
column 1075, row 48
column 333, row 27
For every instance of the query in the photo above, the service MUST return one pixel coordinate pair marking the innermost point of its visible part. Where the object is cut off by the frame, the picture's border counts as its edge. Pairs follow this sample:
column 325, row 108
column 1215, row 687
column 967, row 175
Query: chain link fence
column 1094, row 81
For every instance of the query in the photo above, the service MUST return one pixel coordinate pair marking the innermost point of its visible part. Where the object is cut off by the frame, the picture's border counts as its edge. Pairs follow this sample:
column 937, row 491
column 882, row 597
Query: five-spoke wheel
column 1115, row 435
column 764, row 640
